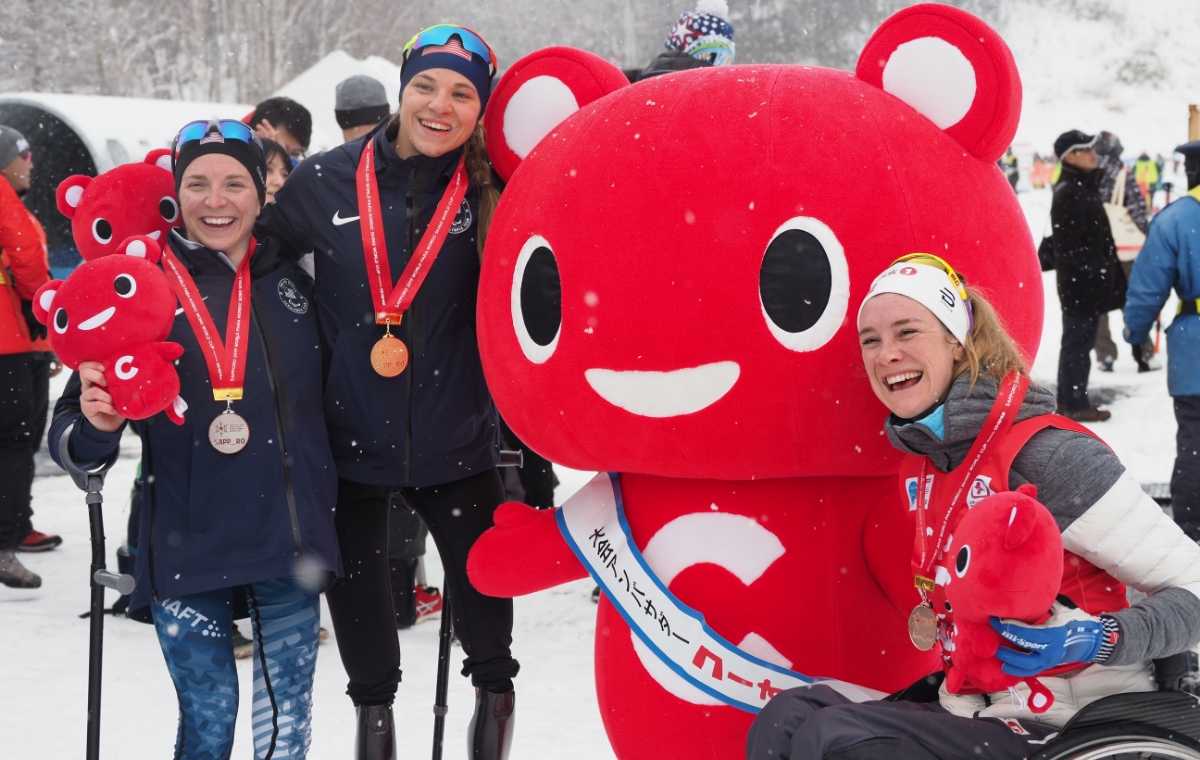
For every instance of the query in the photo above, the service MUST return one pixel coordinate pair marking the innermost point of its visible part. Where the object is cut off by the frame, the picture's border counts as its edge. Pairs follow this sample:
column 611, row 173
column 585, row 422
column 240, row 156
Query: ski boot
column 376, row 739
column 15, row 575
column 490, row 733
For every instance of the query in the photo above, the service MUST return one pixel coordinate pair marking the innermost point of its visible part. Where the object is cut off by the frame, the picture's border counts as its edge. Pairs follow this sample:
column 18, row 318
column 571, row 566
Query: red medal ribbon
column 226, row 362
column 927, row 548
column 390, row 308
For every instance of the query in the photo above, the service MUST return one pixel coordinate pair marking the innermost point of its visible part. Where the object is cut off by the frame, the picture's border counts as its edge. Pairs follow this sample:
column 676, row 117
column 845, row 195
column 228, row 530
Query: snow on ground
column 43, row 670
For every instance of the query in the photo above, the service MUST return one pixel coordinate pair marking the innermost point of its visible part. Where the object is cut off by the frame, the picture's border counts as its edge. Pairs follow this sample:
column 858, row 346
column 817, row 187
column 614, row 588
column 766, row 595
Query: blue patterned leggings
column 195, row 635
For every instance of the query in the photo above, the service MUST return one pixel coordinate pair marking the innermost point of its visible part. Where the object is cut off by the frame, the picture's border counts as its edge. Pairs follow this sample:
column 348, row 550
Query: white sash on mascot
column 593, row 523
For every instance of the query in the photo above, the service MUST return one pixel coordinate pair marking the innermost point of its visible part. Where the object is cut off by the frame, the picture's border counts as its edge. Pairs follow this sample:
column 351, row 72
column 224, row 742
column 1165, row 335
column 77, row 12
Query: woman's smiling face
column 908, row 354
column 438, row 112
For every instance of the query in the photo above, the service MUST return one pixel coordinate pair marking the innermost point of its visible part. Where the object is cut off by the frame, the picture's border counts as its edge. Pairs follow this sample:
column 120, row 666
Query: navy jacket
column 434, row 423
column 214, row 520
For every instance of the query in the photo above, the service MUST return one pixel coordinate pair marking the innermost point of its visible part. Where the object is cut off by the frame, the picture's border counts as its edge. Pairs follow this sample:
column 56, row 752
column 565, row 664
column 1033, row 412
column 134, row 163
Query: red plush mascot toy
column 118, row 310
column 128, row 201
column 1006, row 560
column 665, row 296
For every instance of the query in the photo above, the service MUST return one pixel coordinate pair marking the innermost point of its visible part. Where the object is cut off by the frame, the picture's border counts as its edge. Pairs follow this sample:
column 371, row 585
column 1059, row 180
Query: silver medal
column 229, row 432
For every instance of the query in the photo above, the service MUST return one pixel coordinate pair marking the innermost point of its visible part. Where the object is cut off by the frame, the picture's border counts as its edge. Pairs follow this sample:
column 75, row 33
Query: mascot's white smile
column 664, row 394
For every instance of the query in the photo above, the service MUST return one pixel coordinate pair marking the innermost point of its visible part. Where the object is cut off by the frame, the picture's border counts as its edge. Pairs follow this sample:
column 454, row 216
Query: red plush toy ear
column 1021, row 522
column 539, row 92
column 141, row 246
column 43, row 299
column 70, row 192
column 160, row 157
column 952, row 68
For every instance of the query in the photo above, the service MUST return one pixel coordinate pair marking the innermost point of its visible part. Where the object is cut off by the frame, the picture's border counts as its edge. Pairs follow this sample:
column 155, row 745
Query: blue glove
column 1077, row 641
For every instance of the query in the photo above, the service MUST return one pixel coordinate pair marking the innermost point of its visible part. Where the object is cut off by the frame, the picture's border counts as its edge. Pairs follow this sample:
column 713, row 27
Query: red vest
column 1090, row 588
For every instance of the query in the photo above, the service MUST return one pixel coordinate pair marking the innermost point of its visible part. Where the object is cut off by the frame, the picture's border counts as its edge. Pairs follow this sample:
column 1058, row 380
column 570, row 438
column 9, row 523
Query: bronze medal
column 922, row 627
column 389, row 356
column 229, row 432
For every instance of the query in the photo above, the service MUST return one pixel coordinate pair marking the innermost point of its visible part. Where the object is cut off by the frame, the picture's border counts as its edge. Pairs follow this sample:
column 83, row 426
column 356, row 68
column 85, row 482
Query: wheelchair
column 1155, row 725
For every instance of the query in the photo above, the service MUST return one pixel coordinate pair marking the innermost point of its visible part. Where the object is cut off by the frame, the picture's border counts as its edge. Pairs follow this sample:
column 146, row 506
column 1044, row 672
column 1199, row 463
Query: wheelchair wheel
column 1128, row 741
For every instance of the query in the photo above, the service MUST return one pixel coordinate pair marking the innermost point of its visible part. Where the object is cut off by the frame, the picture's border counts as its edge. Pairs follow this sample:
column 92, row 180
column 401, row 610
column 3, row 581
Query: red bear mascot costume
column 1007, row 562
column 118, row 310
column 693, row 345
column 131, row 200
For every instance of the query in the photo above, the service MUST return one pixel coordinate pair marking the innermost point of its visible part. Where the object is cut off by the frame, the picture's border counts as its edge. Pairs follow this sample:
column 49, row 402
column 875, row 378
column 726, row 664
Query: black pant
column 16, row 453
column 41, row 398
column 817, row 723
column 1185, row 480
column 1074, row 364
column 360, row 603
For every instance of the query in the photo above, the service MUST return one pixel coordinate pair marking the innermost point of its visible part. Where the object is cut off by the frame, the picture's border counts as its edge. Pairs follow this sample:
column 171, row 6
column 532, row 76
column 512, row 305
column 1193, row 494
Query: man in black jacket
column 1090, row 279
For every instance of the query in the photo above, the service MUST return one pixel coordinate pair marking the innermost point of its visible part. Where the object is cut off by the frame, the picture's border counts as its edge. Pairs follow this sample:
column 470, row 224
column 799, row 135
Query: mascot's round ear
column 43, row 299
column 70, row 192
column 952, row 68
column 537, row 94
column 160, row 157
column 142, row 247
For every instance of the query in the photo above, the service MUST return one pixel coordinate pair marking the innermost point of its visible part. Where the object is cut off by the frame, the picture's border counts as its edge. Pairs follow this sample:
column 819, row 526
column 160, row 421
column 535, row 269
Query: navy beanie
column 253, row 157
column 451, row 56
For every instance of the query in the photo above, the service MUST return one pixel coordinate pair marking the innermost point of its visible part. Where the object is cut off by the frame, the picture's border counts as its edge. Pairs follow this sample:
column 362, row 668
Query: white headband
column 929, row 286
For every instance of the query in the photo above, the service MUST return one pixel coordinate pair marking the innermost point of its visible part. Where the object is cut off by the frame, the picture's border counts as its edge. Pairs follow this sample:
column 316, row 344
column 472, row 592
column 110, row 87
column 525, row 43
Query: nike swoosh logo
column 338, row 221
column 180, row 309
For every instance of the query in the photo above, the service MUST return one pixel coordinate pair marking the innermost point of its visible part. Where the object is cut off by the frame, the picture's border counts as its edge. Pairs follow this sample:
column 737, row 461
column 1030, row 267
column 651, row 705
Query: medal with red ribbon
column 389, row 356
column 229, row 432
column 934, row 523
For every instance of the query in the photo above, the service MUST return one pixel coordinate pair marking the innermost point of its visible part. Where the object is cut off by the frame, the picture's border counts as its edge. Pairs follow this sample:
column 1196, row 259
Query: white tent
column 315, row 89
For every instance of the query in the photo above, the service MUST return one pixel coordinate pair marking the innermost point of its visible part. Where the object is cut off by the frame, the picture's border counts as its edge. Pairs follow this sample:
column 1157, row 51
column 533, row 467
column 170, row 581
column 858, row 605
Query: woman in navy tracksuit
column 251, row 530
column 428, row 436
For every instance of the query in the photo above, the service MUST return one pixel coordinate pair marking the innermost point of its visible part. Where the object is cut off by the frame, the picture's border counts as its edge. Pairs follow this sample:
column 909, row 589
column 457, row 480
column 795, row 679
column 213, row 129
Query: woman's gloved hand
column 1053, row 643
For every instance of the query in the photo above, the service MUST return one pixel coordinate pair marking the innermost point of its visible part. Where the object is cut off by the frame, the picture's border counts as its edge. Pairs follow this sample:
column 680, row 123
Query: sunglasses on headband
column 938, row 262
column 441, row 34
column 215, row 131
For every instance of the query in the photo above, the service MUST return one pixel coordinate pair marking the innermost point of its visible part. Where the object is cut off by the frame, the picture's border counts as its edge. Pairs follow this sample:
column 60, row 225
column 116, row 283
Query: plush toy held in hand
column 128, row 201
column 118, row 310
column 1005, row 560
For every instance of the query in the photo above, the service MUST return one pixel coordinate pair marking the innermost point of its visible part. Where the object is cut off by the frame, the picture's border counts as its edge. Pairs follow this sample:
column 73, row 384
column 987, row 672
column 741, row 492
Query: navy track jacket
column 213, row 520
column 435, row 422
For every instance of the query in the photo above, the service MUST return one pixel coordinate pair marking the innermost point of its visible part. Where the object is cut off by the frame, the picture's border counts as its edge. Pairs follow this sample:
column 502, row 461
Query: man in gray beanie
column 15, row 160
column 361, row 103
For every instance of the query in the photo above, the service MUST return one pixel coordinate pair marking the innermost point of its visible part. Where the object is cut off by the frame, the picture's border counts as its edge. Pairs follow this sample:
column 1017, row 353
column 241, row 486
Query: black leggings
column 360, row 603
column 16, row 453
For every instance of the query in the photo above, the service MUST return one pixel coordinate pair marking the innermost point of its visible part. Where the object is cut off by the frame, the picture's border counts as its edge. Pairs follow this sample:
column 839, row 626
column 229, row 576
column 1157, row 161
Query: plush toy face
column 672, row 275
column 1005, row 560
column 106, row 306
column 130, row 200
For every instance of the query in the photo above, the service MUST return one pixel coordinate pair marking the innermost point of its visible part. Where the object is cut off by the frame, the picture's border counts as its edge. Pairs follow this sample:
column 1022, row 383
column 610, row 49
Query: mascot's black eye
column 962, row 561
column 804, row 284
column 947, row 604
column 537, row 300
column 125, row 285
column 102, row 231
column 60, row 321
column 168, row 208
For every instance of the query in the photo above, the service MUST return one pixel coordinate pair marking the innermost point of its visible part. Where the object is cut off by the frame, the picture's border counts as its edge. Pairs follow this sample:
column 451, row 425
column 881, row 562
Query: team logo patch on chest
column 980, row 490
column 291, row 297
column 462, row 222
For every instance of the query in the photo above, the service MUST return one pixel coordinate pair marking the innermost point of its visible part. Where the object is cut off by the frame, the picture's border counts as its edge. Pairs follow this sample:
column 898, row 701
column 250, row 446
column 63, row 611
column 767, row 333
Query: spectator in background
column 1108, row 154
column 22, row 271
column 700, row 38
column 1171, row 259
column 279, row 166
column 360, row 104
column 1089, row 277
column 286, row 122
column 1008, row 164
column 1146, row 174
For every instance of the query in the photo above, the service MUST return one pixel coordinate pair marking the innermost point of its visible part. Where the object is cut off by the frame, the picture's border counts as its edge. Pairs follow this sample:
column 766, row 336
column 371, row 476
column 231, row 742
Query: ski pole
column 440, row 708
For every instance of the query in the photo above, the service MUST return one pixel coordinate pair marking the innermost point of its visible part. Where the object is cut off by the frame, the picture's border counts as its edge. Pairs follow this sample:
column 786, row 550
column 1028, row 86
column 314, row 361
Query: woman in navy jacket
column 251, row 529
column 429, row 434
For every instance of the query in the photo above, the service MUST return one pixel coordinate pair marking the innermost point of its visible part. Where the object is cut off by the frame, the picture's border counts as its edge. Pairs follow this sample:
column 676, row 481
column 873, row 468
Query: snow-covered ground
column 43, row 657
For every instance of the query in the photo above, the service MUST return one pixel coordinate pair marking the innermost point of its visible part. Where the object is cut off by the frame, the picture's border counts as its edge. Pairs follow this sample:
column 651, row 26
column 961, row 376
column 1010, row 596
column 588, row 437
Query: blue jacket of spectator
column 1169, row 259
column 213, row 520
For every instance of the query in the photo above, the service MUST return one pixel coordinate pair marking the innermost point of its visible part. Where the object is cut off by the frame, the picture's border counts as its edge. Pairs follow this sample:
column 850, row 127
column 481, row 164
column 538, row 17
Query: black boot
column 489, row 737
column 376, row 739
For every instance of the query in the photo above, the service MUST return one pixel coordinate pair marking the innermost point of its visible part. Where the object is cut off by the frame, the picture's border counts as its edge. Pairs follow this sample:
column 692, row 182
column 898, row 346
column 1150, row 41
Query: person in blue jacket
column 1171, row 259
column 412, row 197
column 238, row 511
